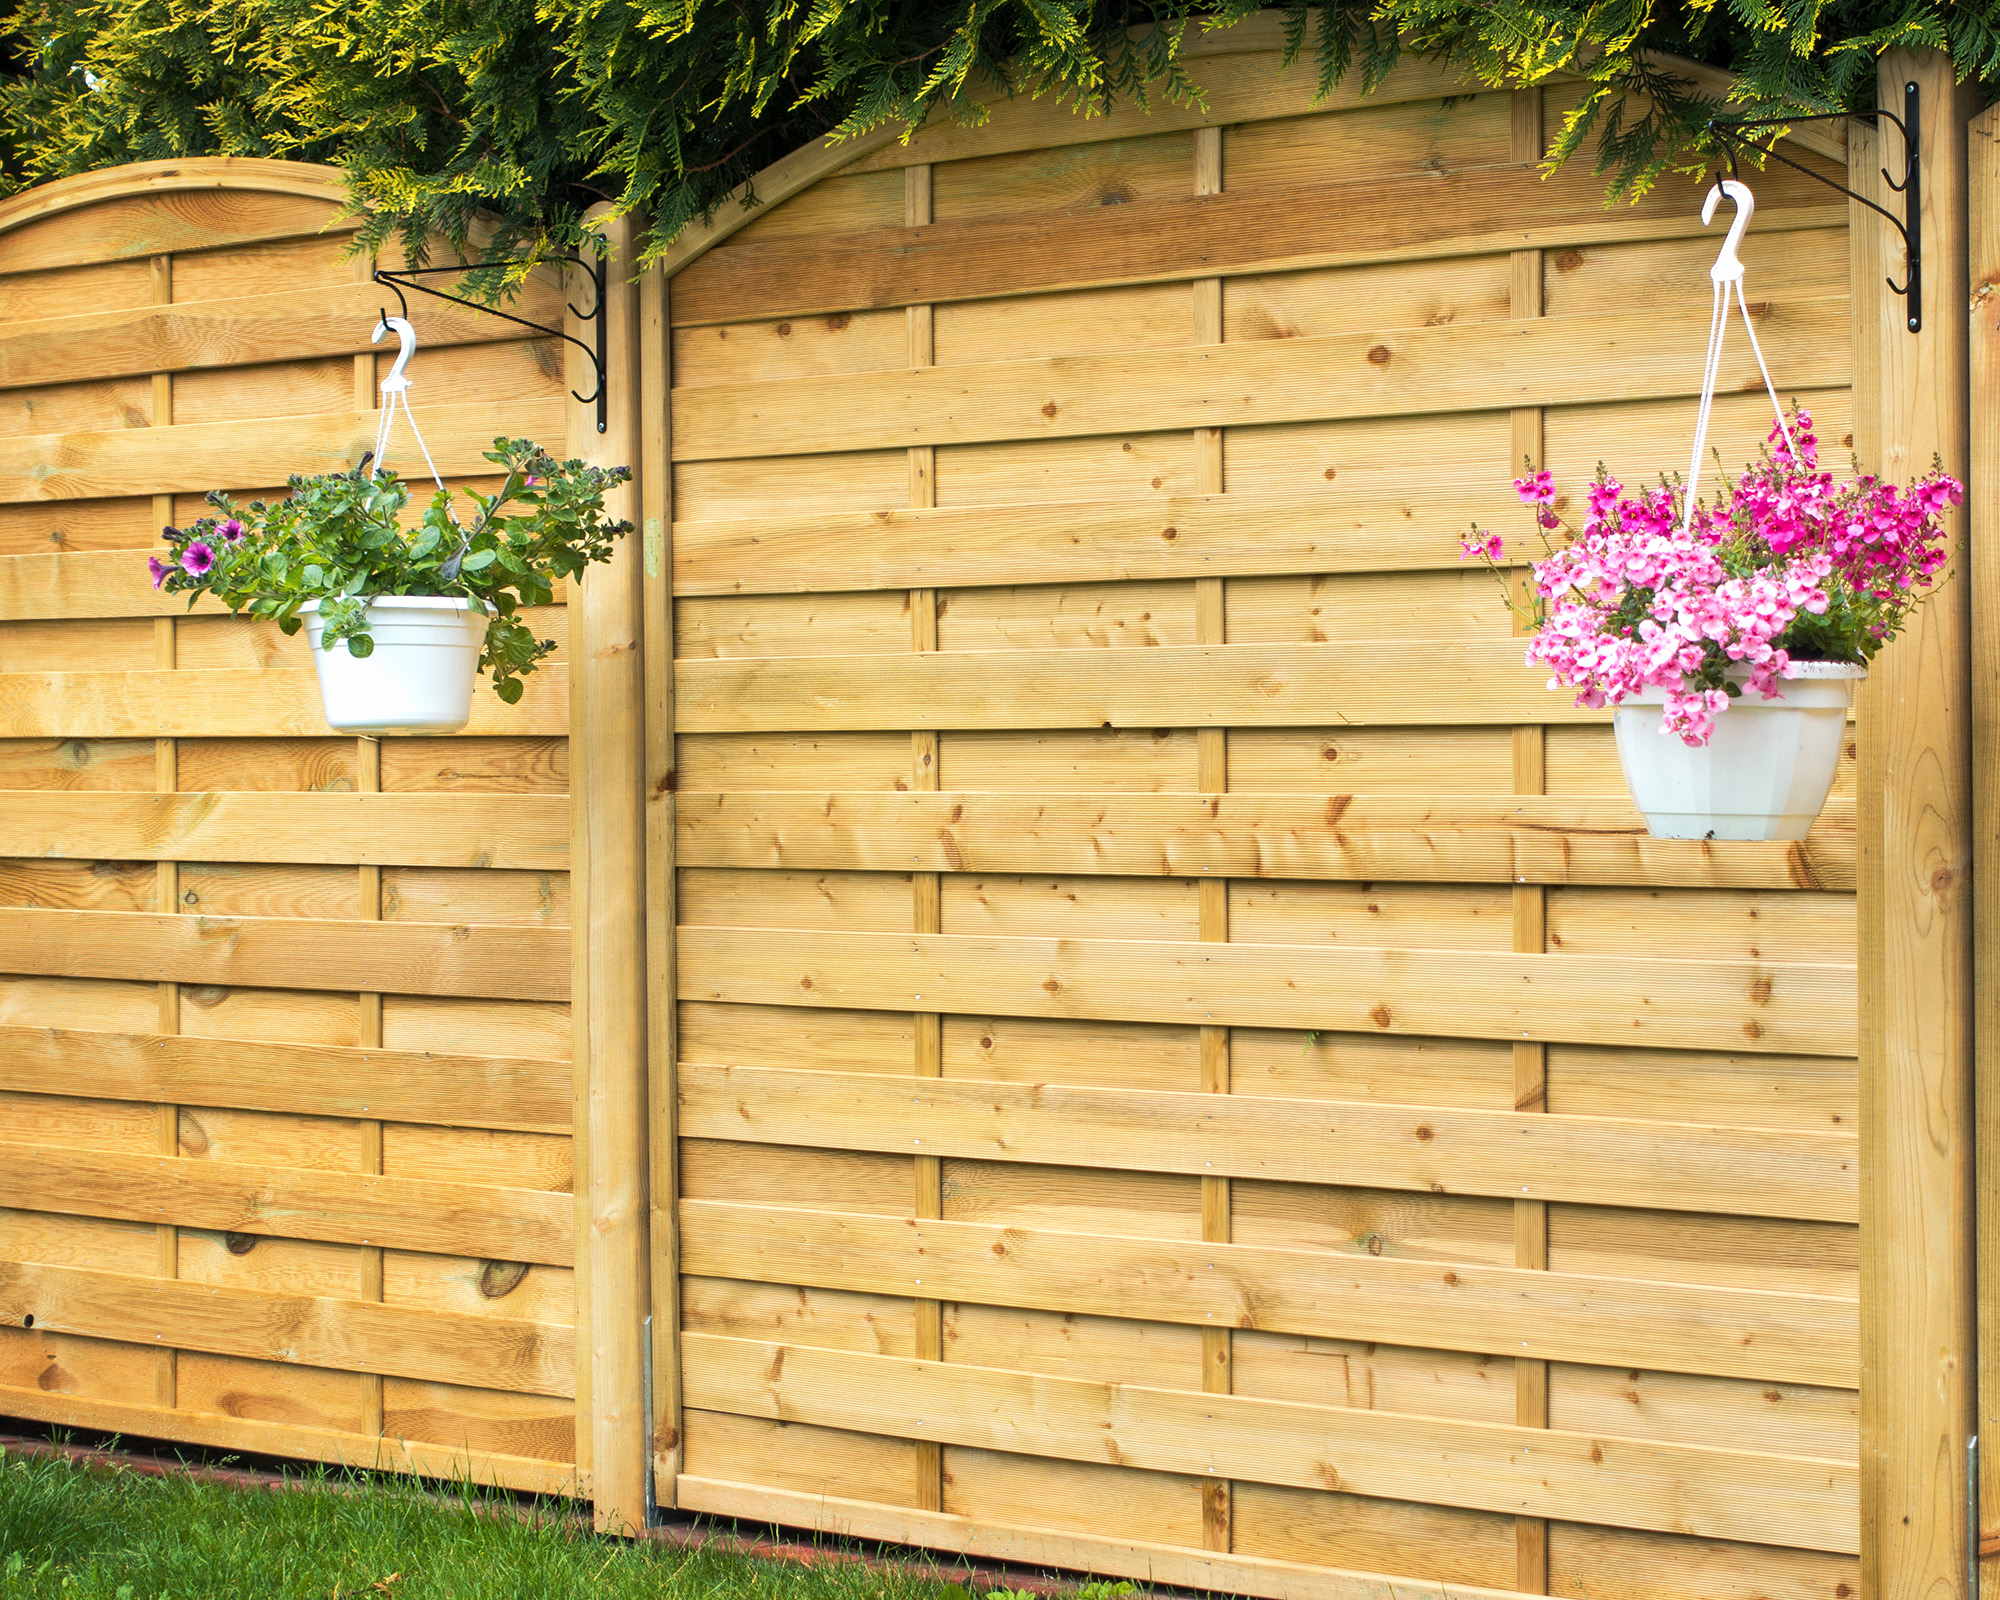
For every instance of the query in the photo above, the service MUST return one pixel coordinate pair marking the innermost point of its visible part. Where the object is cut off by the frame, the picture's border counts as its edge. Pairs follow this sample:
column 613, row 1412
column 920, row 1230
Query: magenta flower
column 159, row 569
column 198, row 558
column 1539, row 489
column 231, row 531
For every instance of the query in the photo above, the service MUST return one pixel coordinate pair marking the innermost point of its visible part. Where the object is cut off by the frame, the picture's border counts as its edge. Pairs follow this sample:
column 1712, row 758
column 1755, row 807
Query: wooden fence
column 1117, row 1025
column 285, row 1099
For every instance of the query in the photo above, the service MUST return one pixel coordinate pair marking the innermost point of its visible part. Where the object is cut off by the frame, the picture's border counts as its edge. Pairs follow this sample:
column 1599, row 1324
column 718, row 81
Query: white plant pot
column 1764, row 773
column 419, row 677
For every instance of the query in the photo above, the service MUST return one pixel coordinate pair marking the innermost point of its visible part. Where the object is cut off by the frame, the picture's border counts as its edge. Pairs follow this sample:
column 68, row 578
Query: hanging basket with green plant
column 403, row 618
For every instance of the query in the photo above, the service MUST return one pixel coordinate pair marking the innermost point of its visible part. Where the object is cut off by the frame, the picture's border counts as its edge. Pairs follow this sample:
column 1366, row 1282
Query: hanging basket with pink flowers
column 1729, row 633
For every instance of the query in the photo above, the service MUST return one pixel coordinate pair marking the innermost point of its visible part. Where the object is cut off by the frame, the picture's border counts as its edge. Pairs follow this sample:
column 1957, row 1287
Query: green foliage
column 535, row 109
column 1790, row 58
column 1092, row 1589
column 68, row 1533
column 338, row 539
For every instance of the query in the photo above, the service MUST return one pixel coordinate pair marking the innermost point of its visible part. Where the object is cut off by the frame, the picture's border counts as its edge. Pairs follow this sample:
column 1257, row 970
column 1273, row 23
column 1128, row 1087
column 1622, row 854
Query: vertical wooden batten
column 1211, row 612
column 368, row 780
column 609, row 903
column 1983, row 570
column 1530, row 907
column 926, row 889
column 1916, row 918
column 166, row 779
column 656, row 524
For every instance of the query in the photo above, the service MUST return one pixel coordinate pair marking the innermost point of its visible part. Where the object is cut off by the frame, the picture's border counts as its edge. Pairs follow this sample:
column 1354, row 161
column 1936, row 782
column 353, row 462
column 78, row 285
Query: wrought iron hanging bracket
column 1909, row 224
column 405, row 278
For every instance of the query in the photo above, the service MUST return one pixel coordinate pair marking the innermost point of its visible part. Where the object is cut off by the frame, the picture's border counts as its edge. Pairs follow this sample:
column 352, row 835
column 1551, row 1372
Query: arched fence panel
column 285, row 1094
column 1188, row 1062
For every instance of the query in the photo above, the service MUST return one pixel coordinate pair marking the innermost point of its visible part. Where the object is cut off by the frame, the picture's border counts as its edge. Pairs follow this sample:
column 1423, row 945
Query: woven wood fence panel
column 285, row 1100
column 1188, row 1060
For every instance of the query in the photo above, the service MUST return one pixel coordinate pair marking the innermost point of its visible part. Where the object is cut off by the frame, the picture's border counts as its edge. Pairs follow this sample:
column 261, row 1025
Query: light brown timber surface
column 1626, row 1000
column 1452, row 839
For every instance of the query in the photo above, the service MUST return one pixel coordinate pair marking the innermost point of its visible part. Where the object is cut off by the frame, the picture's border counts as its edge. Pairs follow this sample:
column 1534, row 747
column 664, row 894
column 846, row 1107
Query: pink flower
column 231, row 531
column 159, row 569
column 198, row 558
column 1649, row 594
column 1537, row 489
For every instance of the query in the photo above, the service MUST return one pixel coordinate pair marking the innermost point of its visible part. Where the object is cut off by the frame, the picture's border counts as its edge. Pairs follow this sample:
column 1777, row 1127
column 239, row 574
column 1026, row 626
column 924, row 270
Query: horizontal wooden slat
column 418, row 830
column 289, row 953
column 1192, row 536
column 417, row 1086
column 1713, row 1493
column 363, row 1452
column 1373, row 838
column 325, row 320
column 1430, row 1149
column 280, row 703
column 1373, row 682
column 1401, row 217
column 198, row 204
column 1785, row 1338
column 1046, row 1549
column 1541, row 361
column 195, row 458
column 72, row 584
column 300, row 1330
column 462, row 1219
column 1615, row 1000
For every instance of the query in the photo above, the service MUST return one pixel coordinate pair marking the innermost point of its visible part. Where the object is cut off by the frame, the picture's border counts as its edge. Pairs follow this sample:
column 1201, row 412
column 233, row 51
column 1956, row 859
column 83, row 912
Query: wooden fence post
column 608, row 908
column 656, row 507
column 1916, row 911
column 1983, row 574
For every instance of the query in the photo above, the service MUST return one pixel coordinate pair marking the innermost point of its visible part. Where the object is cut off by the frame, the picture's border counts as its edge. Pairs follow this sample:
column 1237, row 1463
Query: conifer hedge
column 536, row 109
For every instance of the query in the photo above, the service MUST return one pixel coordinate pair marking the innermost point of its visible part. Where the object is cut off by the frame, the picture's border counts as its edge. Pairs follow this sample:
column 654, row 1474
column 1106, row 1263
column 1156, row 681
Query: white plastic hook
column 407, row 336
column 1728, row 266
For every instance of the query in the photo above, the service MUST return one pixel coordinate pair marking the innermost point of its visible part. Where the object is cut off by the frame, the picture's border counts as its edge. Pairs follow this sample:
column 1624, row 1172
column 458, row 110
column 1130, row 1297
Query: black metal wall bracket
column 1909, row 225
column 405, row 278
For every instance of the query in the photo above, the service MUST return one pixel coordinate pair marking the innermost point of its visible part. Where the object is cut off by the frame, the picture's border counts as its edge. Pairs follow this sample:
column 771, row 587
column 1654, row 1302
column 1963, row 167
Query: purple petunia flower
column 198, row 558
column 159, row 569
column 231, row 531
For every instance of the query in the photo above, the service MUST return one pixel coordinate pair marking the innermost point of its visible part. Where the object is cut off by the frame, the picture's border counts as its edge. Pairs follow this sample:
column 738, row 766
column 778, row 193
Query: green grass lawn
column 92, row 1534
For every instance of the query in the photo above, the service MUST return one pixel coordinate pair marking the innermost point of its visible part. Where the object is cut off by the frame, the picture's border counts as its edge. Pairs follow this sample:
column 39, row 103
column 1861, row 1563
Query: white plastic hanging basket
column 418, row 678
column 1764, row 773
column 1769, row 764
column 420, row 675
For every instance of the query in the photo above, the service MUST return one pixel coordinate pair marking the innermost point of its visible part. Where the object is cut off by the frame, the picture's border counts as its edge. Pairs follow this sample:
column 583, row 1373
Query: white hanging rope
column 1726, row 274
column 396, row 388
